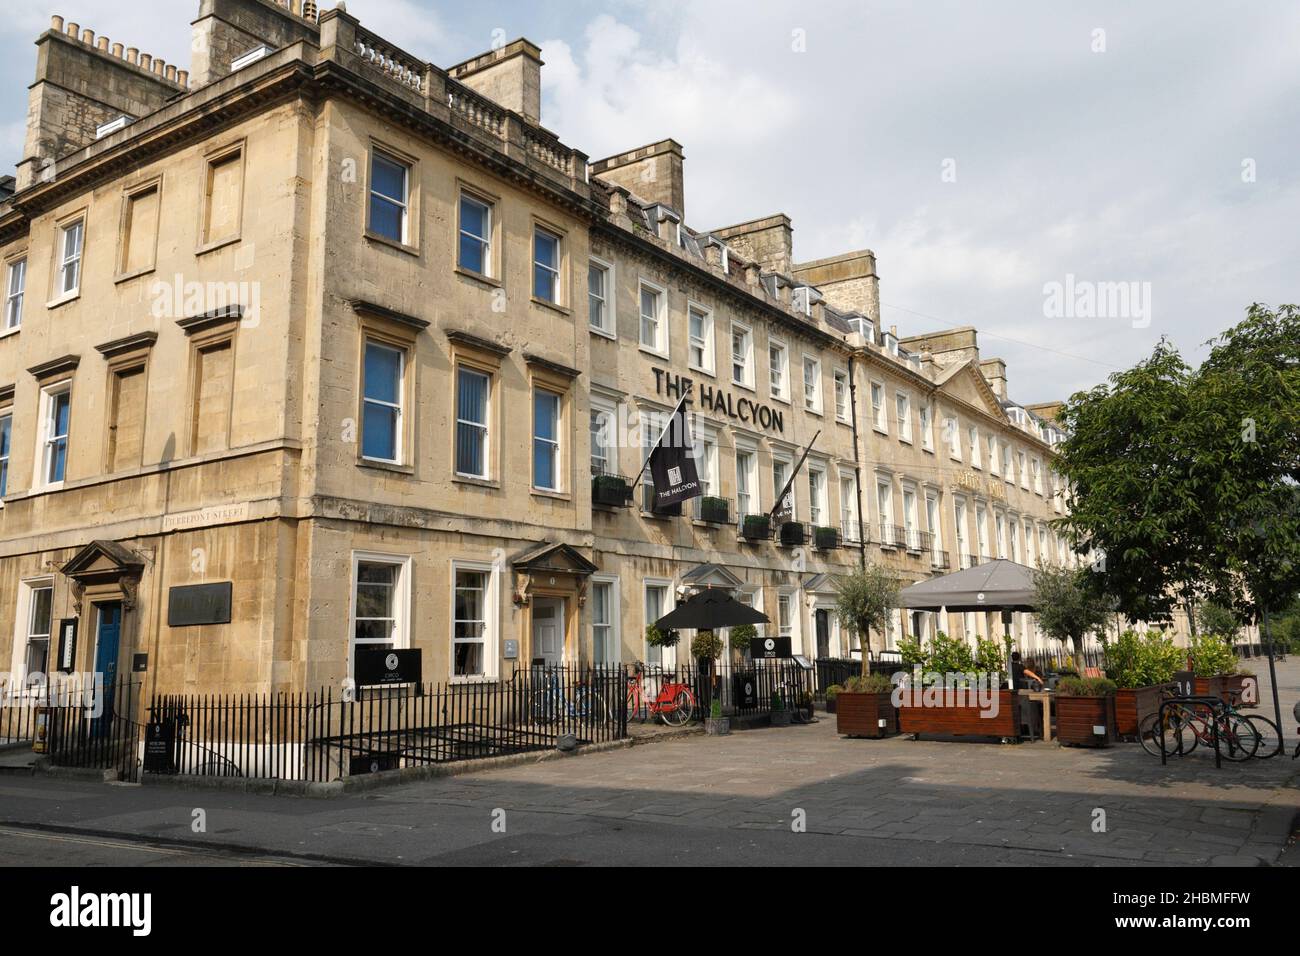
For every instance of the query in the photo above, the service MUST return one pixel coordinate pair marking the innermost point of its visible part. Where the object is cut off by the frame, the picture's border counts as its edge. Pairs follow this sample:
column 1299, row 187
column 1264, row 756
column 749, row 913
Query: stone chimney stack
column 82, row 83
column 995, row 373
column 652, row 173
column 769, row 242
column 510, row 76
column 227, row 29
column 848, row 281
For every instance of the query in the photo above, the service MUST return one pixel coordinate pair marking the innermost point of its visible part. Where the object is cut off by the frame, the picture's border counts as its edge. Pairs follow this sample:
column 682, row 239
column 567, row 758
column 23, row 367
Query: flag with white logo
column 672, row 463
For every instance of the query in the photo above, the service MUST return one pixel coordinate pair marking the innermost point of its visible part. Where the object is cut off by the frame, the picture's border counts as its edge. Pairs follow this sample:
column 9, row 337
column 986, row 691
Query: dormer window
column 864, row 327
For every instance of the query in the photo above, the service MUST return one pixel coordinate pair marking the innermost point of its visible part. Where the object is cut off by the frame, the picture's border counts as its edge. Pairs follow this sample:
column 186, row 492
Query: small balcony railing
column 891, row 536
column 939, row 560
column 826, row 539
column 712, row 509
column 851, row 532
column 610, row 490
column 755, row 527
column 918, row 541
column 648, row 503
column 793, row 534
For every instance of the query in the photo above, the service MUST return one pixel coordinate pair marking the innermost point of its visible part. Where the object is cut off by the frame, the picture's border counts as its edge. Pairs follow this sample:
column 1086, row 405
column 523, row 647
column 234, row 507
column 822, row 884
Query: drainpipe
column 857, row 465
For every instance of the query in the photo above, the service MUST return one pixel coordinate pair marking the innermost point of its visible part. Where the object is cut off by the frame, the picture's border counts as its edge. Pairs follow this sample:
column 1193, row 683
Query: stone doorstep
column 388, row 778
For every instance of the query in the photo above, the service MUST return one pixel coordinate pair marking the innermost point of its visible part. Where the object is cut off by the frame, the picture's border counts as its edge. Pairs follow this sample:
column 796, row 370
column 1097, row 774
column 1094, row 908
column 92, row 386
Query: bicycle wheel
column 1149, row 736
column 1270, row 737
column 678, row 713
column 590, row 707
column 634, row 707
column 1238, row 739
column 1188, row 729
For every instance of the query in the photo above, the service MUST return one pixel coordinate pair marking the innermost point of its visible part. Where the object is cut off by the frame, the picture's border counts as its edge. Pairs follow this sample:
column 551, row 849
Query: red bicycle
column 674, row 704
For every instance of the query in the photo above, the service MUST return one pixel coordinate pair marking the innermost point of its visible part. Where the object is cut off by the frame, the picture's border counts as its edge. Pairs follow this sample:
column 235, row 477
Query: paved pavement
column 761, row 797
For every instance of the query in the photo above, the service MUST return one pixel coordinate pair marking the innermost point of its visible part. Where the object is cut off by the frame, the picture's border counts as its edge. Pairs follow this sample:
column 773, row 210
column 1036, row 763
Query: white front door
column 548, row 630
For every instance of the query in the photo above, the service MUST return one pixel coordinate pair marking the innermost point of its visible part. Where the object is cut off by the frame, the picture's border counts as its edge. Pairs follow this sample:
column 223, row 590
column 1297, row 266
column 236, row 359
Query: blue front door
column 108, row 633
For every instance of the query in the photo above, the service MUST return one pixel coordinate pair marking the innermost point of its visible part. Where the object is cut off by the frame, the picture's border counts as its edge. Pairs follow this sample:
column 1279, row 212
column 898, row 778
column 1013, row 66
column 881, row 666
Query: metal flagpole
column 771, row 515
column 669, row 424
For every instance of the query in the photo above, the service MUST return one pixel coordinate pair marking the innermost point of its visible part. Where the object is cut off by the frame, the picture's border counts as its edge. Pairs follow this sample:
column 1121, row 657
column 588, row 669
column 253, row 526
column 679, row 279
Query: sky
column 1075, row 180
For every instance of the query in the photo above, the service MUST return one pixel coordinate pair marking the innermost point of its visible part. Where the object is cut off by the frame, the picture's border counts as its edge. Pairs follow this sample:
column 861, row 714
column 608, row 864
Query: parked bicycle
column 550, row 702
column 1178, row 728
column 674, row 704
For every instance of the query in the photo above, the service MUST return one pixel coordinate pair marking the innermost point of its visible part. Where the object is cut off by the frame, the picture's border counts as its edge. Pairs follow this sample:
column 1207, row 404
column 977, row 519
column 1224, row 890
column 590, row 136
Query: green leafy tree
column 1070, row 602
column 1127, row 460
column 1217, row 619
column 864, row 600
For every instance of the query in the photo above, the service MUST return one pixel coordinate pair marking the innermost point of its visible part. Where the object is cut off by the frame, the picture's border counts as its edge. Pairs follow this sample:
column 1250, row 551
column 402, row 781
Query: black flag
column 783, row 511
column 672, row 463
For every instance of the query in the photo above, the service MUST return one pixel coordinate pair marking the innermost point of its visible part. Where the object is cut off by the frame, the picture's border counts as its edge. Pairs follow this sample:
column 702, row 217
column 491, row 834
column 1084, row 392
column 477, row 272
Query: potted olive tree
column 706, row 648
column 864, row 708
column 863, row 600
column 832, row 696
column 1085, row 711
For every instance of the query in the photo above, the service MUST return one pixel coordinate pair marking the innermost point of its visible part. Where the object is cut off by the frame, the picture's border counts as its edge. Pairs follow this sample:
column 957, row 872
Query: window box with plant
column 865, row 708
column 756, row 528
column 715, row 510
column 1085, row 711
column 1142, row 667
column 611, row 490
column 826, row 539
column 793, row 534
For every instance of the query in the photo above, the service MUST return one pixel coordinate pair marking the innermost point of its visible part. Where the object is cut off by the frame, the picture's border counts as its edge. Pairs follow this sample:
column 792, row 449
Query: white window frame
column 879, row 414
column 491, row 622
column 976, row 454
column 706, row 364
column 750, row 479
column 22, row 626
column 71, row 261
column 485, row 242
column 6, row 450
column 404, row 204
column 605, row 408
column 782, row 392
column 607, row 298
column 746, row 363
column 934, row 521
column 613, row 633
column 667, row 655
column 787, row 464
column 1037, row 466
column 484, row 427
column 557, row 442
column 46, row 439
column 904, row 417
column 660, row 346
column 841, row 378
column 926, row 413
column 983, row 549
column 399, row 425
column 15, row 294
column 961, row 533
column 1008, row 463
column 401, row 601
column 848, row 508
column 819, row 511
column 1022, row 460
column 815, row 407
column 952, row 428
column 556, row 271
column 995, row 460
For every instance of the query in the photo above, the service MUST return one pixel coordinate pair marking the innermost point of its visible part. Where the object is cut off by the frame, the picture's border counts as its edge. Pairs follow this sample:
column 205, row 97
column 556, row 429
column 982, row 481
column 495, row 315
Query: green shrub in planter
column 756, row 527
column 832, row 692
column 706, row 645
column 610, row 490
column 657, row 638
column 868, row 684
column 1086, row 687
column 826, row 539
column 1212, row 655
column 715, row 510
column 1135, row 660
column 715, row 709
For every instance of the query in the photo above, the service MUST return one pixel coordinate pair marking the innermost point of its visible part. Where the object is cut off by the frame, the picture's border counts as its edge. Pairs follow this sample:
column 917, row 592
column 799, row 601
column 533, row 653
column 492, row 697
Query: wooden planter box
column 859, row 715
column 952, row 720
column 1236, row 684
column 1076, row 718
column 1132, row 704
column 1209, row 686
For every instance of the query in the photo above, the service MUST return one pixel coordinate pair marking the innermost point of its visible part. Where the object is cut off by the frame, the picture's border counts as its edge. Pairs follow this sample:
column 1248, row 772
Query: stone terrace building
column 321, row 346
